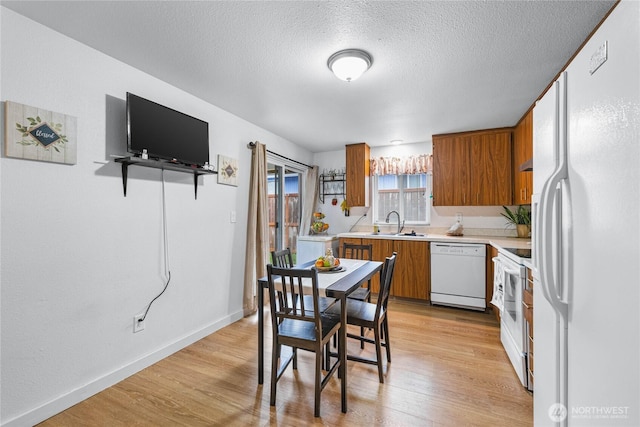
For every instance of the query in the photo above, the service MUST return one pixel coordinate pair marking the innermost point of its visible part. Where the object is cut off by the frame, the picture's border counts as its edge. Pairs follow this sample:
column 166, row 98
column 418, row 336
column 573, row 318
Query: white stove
column 509, row 280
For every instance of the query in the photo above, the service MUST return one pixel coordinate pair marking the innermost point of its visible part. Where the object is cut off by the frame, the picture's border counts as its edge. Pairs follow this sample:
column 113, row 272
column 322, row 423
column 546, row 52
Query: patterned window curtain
column 411, row 165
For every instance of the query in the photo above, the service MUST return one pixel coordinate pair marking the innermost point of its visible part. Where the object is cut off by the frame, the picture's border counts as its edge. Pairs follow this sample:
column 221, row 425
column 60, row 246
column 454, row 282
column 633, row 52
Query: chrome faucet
column 400, row 227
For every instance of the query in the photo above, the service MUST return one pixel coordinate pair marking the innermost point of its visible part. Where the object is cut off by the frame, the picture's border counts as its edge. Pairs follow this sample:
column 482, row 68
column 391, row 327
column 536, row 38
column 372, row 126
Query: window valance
column 409, row 165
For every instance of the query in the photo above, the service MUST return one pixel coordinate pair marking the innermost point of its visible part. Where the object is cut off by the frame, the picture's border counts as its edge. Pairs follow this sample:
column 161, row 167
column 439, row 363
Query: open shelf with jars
column 331, row 184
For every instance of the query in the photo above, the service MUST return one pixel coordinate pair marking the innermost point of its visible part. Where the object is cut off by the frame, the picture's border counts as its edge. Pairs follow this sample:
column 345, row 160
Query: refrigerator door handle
column 546, row 213
column 549, row 250
column 541, row 222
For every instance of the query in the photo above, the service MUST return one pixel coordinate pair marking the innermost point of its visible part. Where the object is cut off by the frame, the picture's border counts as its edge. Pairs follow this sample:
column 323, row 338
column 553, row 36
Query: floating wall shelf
column 331, row 185
column 160, row 164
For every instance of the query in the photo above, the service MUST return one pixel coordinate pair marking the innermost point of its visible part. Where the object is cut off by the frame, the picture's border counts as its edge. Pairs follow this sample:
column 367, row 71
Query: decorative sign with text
column 36, row 134
column 227, row 170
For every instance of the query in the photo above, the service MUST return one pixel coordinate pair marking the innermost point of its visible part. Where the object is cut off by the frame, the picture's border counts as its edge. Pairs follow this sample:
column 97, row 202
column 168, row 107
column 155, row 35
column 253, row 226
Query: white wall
column 78, row 259
column 476, row 219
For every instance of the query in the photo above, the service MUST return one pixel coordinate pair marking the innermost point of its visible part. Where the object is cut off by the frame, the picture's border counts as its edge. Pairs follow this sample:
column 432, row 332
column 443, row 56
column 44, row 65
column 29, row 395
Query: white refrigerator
column 586, row 233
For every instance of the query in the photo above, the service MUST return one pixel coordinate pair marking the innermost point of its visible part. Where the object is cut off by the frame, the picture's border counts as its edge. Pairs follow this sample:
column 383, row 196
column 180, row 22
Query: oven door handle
column 512, row 272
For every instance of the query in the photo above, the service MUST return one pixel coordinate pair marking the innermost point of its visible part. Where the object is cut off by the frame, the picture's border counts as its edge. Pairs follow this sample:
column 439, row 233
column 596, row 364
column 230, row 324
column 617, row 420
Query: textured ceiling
column 438, row 67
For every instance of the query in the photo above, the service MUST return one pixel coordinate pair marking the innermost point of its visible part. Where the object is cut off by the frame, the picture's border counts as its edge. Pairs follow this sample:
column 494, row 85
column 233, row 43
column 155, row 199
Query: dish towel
column 498, row 285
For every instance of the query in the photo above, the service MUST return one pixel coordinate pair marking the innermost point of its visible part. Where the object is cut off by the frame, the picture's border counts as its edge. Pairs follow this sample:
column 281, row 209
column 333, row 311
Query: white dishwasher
column 458, row 275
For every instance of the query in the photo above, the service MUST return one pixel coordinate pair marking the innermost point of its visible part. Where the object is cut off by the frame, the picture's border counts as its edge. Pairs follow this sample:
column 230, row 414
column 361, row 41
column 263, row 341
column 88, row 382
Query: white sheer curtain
column 257, row 249
column 309, row 201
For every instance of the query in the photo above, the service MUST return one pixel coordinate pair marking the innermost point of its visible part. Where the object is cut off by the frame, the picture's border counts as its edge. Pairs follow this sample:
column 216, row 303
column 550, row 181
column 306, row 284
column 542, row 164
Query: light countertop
column 318, row 237
column 497, row 241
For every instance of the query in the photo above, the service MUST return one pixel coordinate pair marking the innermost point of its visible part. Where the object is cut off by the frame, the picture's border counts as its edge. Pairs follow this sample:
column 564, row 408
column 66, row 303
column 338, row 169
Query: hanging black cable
column 167, row 270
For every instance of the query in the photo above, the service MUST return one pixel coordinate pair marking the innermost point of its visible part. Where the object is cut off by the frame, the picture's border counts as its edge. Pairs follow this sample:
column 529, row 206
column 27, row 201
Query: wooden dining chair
column 364, row 252
column 299, row 325
column 284, row 259
column 372, row 316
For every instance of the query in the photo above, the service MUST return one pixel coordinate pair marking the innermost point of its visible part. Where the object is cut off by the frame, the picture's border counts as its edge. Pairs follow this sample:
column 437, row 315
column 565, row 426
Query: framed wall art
column 36, row 134
column 227, row 170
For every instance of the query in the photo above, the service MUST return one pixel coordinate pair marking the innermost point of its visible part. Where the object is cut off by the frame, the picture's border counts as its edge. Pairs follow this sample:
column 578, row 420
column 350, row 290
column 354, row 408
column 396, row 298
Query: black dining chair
column 284, row 259
column 372, row 316
column 299, row 325
column 364, row 252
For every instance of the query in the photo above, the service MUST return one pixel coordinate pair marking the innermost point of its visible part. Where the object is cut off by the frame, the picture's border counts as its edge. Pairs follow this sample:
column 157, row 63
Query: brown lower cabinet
column 411, row 277
column 381, row 248
column 527, row 306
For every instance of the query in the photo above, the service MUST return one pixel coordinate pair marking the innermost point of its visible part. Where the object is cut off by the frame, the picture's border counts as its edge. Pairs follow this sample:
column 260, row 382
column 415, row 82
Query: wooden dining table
column 331, row 284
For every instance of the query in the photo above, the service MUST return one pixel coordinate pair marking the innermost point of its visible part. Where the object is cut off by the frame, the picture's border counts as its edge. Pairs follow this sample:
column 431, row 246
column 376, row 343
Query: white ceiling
column 438, row 66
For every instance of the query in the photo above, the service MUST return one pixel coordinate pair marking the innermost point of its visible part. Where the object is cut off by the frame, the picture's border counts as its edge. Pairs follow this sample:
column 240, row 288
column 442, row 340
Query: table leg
column 342, row 351
column 260, row 334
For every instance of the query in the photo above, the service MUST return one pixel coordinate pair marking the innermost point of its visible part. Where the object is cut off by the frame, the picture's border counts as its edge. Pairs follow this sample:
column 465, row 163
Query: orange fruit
column 319, row 263
column 336, row 261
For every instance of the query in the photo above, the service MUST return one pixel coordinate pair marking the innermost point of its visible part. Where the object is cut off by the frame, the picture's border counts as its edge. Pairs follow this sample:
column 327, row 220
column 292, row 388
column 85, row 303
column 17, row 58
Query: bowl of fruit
column 328, row 262
column 319, row 226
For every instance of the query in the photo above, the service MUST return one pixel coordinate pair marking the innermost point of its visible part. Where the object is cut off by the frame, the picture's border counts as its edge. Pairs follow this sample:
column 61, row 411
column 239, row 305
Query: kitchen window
column 407, row 194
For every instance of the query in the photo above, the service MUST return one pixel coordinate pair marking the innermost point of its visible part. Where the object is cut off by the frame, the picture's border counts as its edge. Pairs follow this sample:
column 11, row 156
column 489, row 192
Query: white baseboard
column 73, row 397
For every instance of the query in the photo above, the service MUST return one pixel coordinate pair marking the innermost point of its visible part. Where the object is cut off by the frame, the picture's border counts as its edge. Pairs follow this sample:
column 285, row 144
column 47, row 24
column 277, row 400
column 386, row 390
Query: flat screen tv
column 165, row 133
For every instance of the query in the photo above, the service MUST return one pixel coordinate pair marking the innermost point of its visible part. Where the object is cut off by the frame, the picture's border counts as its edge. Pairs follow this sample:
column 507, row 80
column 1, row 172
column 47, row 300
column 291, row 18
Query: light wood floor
column 448, row 369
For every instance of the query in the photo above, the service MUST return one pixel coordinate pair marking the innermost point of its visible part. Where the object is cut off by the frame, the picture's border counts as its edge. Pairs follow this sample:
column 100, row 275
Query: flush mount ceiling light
column 396, row 142
column 349, row 64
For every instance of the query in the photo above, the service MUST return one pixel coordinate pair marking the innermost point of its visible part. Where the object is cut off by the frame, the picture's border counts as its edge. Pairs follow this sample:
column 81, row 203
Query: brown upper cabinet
column 523, row 152
column 473, row 168
column 358, row 174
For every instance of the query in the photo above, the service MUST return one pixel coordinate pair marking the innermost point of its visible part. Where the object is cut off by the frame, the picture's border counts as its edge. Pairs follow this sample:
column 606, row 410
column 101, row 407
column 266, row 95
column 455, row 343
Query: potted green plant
column 521, row 218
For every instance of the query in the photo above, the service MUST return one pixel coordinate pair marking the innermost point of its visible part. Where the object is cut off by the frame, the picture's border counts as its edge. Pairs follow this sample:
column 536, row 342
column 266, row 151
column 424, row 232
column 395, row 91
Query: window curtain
column 411, row 165
column 309, row 201
column 257, row 249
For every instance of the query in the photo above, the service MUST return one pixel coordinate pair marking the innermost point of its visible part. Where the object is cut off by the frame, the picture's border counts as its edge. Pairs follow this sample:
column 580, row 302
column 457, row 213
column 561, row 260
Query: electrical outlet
column 138, row 323
column 232, row 217
column 459, row 217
